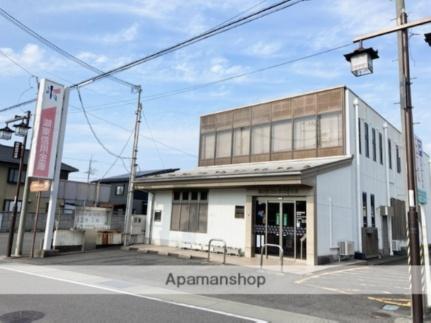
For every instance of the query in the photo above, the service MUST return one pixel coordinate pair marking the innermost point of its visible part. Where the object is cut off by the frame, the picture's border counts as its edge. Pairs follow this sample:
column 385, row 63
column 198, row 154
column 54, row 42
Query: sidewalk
column 294, row 266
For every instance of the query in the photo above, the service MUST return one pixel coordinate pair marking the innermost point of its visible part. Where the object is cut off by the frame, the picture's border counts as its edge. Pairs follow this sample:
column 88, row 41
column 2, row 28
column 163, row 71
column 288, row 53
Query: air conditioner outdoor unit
column 346, row 248
column 396, row 245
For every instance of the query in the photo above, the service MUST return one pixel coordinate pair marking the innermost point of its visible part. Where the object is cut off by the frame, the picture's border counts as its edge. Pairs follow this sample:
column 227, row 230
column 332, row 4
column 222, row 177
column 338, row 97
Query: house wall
column 373, row 173
column 221, row 220
column 335, row 213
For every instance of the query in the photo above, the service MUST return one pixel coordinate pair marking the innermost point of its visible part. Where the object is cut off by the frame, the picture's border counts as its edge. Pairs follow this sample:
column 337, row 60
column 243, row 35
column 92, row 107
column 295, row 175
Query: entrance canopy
column 286, row 172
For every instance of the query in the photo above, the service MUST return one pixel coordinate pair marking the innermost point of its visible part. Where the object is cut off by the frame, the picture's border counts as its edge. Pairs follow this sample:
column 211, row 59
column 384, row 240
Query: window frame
column 381, row 148
column 364, row 210
column 117, row 186
column 367, row 139
column 374, row 143
column 295, row 123
column 339, row 129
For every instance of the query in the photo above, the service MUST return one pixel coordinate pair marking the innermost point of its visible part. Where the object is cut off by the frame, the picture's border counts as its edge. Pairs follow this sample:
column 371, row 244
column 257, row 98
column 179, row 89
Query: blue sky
column 110, row 33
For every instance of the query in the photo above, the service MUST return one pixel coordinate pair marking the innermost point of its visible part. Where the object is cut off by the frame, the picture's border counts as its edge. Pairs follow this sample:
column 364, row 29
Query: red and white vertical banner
column 46, row 129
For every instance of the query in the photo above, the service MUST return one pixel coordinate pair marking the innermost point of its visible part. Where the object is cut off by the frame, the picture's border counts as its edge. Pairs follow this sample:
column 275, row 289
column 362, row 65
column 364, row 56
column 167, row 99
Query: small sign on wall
column 239, row 211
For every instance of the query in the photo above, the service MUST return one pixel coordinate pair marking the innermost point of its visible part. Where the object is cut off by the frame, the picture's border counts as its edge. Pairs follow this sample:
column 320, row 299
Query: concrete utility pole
column 26, row 120
column 133, row 165
column 409, row 137
column 359, row 67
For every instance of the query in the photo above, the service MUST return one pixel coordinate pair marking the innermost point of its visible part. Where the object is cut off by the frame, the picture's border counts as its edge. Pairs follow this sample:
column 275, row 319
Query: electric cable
column 93, row 131
column 57, row 49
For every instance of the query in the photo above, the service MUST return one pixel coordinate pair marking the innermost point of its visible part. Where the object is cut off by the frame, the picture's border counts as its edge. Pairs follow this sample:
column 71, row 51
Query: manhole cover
column 21, row 317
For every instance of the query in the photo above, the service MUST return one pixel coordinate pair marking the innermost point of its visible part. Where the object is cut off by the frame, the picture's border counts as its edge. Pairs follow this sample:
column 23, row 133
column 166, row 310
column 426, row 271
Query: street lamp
column 21, row 129
column 428, row 38
column 361, row 60
column 6, row 133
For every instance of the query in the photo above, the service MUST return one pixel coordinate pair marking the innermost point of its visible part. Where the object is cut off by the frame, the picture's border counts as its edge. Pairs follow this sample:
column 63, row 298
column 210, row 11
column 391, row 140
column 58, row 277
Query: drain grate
column 21, row 317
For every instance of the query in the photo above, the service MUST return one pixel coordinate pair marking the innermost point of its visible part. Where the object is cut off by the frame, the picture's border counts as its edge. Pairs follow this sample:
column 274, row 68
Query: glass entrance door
column 282, row 223
column 273, row 227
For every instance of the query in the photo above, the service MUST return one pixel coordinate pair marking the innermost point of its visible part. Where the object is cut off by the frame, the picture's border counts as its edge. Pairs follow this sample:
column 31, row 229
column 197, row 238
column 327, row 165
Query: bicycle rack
column 224, row 249
column 271, row 245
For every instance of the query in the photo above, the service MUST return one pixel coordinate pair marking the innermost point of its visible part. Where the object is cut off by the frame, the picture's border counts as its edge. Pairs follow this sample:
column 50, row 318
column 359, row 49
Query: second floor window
column 119, row 190
column 281, row 136
column 207, row 146
column 305, row 133
column 12, row 176
column 390, row 153
column 241, row 141
column 381, row 148
column 374, row 143
column 224, row 144
column 398, row 159
column 330, row 130
column 367, row 140
column 8, row 206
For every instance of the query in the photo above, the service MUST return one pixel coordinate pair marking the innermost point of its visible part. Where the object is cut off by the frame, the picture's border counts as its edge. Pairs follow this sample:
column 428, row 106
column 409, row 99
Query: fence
column 63, row 221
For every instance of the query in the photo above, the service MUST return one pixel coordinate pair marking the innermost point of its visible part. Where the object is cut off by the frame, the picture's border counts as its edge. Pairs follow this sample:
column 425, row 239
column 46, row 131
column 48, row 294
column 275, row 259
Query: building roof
column 6, row 153
column 244, row 171
column 125, row 177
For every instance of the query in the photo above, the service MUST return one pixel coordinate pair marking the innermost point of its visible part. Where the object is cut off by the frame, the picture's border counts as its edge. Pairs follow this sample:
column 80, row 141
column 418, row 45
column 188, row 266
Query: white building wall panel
column 222, row 223
column 335, row 210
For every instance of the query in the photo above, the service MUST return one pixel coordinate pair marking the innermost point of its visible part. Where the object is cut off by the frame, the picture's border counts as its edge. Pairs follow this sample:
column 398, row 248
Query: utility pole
column 361, row 64
column 133, row 165
column 409, row 137
column 26, row 120
column 90, row 169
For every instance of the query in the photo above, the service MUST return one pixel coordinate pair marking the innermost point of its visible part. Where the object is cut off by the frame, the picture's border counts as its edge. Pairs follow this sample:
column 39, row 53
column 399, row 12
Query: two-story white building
column 305, row 172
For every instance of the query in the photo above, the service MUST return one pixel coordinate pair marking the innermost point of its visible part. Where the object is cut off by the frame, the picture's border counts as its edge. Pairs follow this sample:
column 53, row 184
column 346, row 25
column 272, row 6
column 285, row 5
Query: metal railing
column 224, row 249
column 302, row 240
column 271, row 245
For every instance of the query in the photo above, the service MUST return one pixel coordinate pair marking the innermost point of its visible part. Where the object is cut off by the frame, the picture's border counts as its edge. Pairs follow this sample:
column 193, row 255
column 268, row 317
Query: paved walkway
column 270, row 263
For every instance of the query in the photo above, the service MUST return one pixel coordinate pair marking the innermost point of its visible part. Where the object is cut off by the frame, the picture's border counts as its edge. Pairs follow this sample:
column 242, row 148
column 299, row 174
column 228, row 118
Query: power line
column 211, row 32
column 229, row 78
column 93, row 131
column 152, row 138
column 143, row 136
column 16, row 63
column 57, row 49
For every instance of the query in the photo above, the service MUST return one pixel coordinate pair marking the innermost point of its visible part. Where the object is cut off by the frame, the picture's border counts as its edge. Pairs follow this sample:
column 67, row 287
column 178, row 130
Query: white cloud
column 318, row 69
column 126, row 35
column 264, row 49
column 32, row 57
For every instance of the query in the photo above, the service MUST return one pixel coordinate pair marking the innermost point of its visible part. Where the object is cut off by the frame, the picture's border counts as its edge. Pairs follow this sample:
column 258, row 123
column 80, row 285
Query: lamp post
column 407, row 116
column 21, row 130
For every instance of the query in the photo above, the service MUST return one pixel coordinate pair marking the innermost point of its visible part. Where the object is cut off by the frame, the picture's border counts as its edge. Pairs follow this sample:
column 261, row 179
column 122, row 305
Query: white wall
column 221, row 220
column 335, row 209
column 373, row 173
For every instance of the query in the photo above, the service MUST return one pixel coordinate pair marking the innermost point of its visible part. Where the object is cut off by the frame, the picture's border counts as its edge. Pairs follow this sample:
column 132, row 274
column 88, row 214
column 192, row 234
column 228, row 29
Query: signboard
column 41, row 185
column 420, row 172
column 17, row 150
column 46, row 130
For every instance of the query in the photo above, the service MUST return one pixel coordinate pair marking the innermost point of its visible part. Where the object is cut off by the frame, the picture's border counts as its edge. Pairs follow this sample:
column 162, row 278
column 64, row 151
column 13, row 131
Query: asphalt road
column 337, row 306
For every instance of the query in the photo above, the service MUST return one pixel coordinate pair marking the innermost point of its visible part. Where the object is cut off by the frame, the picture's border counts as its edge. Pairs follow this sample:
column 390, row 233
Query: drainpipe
column 358, row 176
column 388, row 189
column 331, row 223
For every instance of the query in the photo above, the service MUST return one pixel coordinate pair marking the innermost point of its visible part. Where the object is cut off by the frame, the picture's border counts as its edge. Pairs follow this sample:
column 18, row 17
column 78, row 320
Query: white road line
column 139, row 295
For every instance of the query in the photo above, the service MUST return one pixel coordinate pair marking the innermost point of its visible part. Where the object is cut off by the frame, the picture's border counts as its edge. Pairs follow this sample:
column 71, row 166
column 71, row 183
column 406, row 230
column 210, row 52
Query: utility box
column 137, row 228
